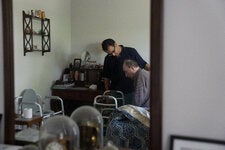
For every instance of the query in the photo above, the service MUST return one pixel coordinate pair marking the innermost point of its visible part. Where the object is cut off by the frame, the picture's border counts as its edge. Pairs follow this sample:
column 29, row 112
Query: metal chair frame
column 100, row 101
column 117, row 94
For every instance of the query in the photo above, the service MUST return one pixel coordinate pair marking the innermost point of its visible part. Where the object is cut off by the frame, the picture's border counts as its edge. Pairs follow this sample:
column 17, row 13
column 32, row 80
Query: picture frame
column 77, row 63
column 194, row 143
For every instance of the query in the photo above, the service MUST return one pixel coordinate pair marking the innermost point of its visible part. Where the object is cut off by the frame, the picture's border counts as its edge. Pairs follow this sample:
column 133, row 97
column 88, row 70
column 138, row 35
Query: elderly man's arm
column 106, row 83
column 147, row 67
column 142, row 90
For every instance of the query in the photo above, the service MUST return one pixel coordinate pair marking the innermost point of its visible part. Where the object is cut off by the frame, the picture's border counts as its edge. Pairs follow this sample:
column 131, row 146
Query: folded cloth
column 129, row 127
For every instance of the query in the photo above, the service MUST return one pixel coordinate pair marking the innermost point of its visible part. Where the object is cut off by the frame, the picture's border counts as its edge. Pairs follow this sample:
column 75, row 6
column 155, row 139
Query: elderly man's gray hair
column 130, row 63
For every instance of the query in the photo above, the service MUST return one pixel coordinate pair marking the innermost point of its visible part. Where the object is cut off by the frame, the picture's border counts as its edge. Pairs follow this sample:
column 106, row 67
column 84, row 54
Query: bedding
column 129, row 128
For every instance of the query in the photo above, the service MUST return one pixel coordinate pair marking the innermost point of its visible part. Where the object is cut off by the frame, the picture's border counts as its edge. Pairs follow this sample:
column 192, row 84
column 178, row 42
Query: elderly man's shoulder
column 143, row 71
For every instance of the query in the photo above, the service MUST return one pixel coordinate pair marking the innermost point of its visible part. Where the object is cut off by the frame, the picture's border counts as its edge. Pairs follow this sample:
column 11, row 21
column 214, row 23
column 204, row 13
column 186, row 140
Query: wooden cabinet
column 36, row 34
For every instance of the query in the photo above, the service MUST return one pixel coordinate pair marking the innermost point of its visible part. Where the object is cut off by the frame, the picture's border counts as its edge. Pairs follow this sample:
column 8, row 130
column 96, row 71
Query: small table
column 29, row 122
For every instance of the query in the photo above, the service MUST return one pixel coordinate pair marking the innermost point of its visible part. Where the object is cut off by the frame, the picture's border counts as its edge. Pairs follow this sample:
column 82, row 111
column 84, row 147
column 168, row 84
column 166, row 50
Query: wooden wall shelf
column 36, row 39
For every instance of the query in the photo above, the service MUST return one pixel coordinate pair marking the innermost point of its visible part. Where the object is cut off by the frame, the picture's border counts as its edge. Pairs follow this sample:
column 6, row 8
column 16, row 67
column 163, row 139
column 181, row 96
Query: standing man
column 114, row 77
column 141, row 79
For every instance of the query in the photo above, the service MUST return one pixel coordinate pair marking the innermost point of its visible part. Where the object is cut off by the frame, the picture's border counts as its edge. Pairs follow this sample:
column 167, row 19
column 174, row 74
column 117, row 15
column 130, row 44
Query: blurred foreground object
column 59, row 133
column 90, row 124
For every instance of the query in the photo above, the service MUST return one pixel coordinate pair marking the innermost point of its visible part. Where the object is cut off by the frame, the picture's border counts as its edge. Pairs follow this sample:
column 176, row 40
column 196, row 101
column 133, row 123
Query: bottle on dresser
column 70, row 79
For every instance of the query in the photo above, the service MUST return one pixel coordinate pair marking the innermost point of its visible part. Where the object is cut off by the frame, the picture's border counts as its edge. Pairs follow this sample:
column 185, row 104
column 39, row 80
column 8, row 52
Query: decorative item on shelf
column 32, row 13
column 42, row 14
column 76, row 75
column 35, row 47
column 34, row 32
column 77, row 63
column 90, row 123
column 77, row 66
column 82, row 75
column 41, row 32
column 38, row 13
column 71, row 73
column 28, row 12
column 59, row 133
column 85, row 57
column 28, row 30
column 65, row 77
column 98, row 66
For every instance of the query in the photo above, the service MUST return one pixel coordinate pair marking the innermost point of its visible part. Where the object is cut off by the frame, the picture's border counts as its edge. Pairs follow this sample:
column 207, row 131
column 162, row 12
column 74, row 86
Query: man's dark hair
column 106, row 43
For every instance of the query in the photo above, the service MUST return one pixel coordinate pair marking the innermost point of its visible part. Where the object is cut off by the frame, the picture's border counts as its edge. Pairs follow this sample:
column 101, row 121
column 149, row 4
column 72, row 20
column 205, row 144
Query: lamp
column 85, row 57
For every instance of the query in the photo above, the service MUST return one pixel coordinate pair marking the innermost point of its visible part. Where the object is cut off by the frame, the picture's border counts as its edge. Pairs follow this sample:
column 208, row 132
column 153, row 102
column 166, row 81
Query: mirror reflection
column 76, row 27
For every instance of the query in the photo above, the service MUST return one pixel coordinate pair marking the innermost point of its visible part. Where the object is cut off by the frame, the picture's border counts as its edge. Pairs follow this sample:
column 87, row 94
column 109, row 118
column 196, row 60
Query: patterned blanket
column 129, row 128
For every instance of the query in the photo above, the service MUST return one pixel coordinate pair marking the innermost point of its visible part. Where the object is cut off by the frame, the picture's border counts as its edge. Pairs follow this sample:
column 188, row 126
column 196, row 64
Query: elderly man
column 141, row 79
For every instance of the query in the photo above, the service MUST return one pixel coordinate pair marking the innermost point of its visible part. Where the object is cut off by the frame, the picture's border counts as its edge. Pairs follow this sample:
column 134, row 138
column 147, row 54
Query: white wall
column 194, row 69
column 1, row 77
column 125, row 21
column 34, row 70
